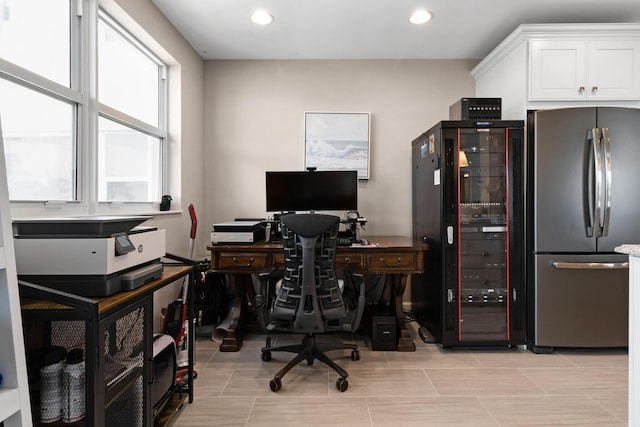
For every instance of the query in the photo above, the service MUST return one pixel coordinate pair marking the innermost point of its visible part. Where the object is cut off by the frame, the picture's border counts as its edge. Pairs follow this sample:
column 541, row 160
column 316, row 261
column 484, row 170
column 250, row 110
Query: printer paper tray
column 99, row 285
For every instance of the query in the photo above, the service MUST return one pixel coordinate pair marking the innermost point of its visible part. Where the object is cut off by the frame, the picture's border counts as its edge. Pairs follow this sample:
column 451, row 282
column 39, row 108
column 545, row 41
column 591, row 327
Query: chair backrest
column 309, row 299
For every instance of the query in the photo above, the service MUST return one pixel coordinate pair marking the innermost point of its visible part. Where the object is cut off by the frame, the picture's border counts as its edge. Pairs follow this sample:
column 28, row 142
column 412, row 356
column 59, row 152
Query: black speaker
column 384, row 333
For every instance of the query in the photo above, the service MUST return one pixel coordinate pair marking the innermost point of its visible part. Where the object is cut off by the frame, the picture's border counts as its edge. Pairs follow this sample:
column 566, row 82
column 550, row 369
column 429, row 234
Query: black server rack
column 468, row 205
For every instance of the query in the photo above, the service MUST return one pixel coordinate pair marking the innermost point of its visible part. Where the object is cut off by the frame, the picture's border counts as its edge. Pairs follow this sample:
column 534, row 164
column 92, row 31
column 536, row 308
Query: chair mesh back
column 318, row 307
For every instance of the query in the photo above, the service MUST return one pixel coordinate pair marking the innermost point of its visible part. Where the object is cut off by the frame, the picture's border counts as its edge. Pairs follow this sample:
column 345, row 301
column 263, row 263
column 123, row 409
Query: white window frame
column 83, row 93
column 124, row 119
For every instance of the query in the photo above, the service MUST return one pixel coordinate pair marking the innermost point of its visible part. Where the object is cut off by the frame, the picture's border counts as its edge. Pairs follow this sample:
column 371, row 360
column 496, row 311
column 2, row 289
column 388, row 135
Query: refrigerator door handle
column 596, row 207
column 606, row 142
column 590, row 265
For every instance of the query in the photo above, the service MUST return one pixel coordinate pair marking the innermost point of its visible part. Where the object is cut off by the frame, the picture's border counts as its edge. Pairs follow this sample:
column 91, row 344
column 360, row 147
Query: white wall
column 254, row 121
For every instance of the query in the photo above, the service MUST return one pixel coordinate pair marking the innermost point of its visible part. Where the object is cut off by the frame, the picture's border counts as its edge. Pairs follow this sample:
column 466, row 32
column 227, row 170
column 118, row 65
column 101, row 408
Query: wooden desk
column 395, row 256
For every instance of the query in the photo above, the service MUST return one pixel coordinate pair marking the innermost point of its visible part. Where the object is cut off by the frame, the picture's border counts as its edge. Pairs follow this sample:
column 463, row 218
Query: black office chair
column 309, row 299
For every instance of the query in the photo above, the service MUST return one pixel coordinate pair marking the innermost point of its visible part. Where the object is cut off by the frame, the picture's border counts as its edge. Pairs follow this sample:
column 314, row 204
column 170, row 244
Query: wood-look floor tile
column 210, row 382
column 202, row 355
column 548, row 411
column 297, row 382
column 596, row 358
column 518, row 358
column 310, row 412
column 618, row 406
column 428, row 387
column 247, row 358
column 482, row 382
column 432, row 411
column 386, row 382
column 580, row 381
column 431, row 356
column 212, row 412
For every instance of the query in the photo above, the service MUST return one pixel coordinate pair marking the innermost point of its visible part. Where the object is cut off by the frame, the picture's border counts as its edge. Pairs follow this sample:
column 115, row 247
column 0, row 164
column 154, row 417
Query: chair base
column 310, row 351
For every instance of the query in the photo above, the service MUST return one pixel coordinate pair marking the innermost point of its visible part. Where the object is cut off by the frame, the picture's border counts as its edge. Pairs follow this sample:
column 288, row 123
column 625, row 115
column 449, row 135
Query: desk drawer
column 387, row 262
column 349, row 262
column 343, row 262
column 242, row 261
column 278, row 259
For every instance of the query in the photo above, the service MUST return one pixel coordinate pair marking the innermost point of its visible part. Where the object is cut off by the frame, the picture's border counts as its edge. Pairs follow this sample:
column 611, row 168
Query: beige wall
column 254, row 121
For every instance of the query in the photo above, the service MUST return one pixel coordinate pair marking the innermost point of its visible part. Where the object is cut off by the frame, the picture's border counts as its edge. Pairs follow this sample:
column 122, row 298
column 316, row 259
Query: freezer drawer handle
column 590, row 265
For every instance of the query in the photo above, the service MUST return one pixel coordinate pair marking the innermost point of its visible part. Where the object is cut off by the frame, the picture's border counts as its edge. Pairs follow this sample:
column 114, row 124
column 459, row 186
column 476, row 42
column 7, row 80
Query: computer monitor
column 312, row 191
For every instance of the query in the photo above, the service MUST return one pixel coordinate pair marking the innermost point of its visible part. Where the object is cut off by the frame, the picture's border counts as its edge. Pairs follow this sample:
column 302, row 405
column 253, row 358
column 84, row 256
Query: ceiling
column 372, row 29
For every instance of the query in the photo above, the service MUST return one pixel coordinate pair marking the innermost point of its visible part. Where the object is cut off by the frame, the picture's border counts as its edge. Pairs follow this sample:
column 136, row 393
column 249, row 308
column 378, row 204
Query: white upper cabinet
column 582, row 70
column 540, row 66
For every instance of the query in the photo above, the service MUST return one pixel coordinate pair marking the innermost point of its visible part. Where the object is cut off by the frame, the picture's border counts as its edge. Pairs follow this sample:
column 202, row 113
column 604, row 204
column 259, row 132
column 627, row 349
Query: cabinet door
column 557, row 70
column 612, row 70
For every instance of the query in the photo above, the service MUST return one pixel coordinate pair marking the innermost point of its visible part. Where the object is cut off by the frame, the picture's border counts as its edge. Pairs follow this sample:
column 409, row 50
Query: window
column 39, row 144
column 130, row 139
column 62, row 142
column 128, row 163
column 37, row 106
column 43, row 29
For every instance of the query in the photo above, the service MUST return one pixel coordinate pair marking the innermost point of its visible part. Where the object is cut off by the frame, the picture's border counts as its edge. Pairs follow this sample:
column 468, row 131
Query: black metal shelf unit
column 115, row 335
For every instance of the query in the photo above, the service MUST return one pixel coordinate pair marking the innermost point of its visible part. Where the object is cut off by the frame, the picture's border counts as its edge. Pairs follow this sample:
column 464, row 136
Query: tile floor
column 428, row 387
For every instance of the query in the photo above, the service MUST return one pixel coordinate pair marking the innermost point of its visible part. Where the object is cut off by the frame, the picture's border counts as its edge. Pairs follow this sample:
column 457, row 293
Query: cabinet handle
column 581, row 89
column 384, row 261
column 347, row 260
column 239, row 264
column 594, row 89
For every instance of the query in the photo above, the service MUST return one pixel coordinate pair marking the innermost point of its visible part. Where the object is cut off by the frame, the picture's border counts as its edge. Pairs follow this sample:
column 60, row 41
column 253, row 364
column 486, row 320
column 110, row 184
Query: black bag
column 211, row 297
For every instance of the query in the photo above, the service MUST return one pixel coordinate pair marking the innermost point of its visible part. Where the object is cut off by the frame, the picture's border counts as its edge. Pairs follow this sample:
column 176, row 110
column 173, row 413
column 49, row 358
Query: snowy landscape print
column 337, row 141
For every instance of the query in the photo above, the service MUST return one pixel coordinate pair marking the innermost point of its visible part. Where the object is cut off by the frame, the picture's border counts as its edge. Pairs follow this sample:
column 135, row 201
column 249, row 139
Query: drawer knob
column 239, row 264
column 396, row 264
column 347, row 260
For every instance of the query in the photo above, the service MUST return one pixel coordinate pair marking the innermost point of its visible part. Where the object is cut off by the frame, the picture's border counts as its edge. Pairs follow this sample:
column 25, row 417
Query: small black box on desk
column 384, row 333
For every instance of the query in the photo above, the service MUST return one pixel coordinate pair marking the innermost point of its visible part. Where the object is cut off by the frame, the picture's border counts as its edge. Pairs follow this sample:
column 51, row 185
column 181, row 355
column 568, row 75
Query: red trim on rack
column 456, row 160
column 506, row 200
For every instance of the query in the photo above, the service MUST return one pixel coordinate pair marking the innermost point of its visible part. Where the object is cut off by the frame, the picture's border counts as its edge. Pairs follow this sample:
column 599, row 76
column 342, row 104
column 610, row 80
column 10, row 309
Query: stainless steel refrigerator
column 583, row 200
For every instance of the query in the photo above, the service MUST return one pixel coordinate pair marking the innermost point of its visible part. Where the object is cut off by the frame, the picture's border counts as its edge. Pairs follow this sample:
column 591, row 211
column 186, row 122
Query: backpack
column 211, row 296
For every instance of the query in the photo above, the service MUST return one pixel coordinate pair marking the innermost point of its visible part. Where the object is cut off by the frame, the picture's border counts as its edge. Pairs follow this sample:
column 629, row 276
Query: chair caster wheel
column 266, row 356
column 355, row 355
column 275, row 384
column 342, row 384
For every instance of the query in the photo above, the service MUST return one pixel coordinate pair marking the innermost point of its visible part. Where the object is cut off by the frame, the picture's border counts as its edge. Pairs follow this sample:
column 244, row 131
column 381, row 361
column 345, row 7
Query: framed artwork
column 337, row 141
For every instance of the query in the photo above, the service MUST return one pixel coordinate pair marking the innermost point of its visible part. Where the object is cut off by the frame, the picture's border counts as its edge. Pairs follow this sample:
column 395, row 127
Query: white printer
column 88, row 256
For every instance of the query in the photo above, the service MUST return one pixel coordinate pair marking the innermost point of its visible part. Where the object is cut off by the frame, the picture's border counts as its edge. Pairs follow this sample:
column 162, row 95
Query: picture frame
column 338, row 141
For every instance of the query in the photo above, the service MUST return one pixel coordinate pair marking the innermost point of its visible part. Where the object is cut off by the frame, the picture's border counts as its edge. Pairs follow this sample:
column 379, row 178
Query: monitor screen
column 312, row 191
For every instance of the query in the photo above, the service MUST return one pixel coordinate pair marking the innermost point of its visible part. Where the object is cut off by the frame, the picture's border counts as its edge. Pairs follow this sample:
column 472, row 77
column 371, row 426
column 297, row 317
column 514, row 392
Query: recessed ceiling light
column 261, row 17
column 420, row 17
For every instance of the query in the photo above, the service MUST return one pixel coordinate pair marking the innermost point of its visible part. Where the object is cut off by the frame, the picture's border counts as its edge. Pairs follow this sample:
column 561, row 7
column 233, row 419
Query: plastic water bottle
column 51, row 385
column 73, row 387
